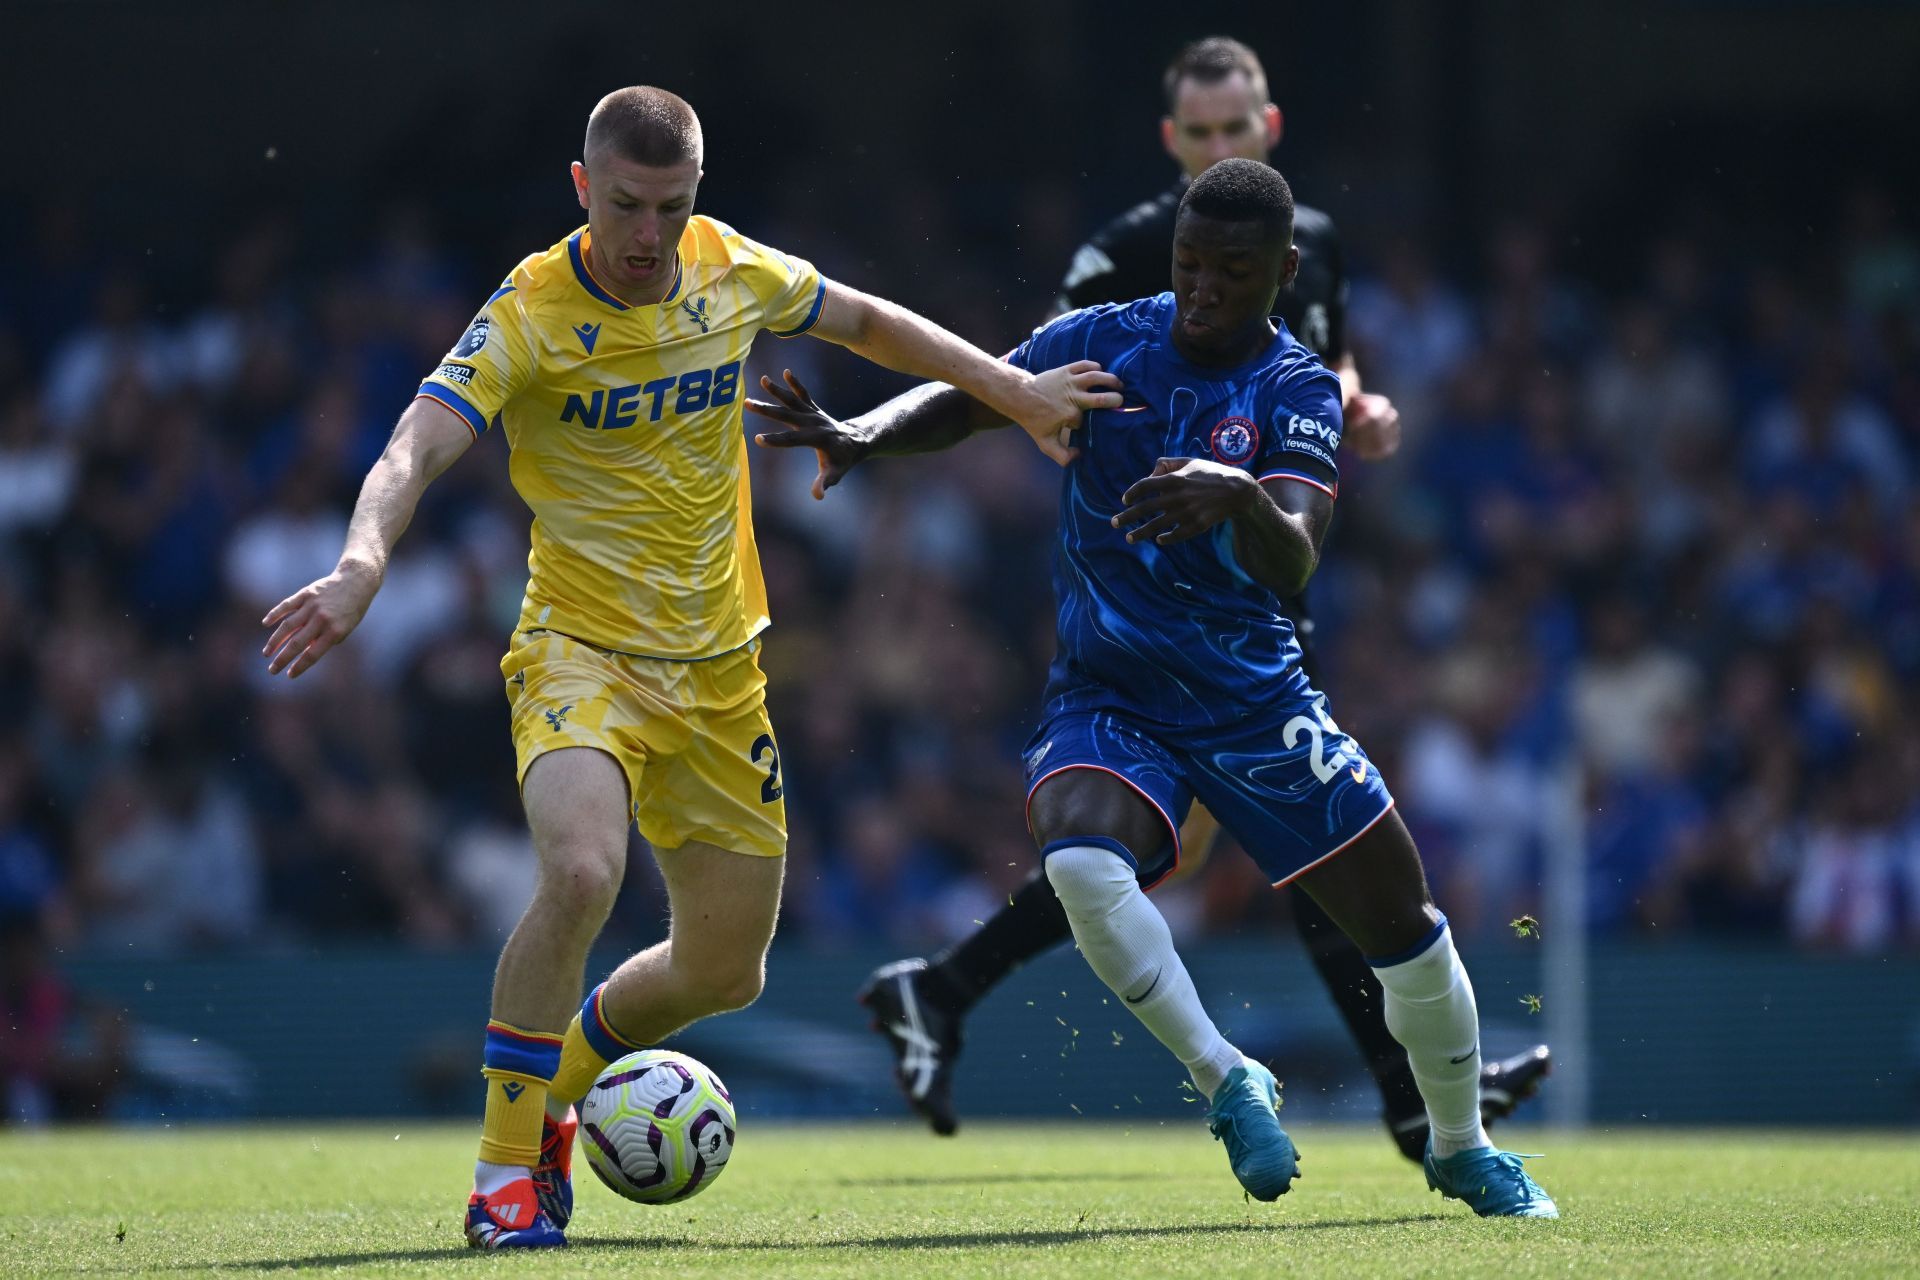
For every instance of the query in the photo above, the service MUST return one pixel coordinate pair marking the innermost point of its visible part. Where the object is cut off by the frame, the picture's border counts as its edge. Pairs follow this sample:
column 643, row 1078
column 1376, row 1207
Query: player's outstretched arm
column 930, row 417
column 1278, row 525
column 1047, row 405
column 321, row 614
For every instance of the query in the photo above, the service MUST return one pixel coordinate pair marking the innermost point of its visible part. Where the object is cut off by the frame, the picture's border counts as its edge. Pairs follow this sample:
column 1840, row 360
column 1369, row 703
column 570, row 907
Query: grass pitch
column 1001, row 1199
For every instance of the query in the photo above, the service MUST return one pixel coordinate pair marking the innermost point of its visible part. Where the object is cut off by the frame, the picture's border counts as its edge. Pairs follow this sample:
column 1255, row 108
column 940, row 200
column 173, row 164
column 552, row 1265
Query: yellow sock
column 586, row 1049
column 516, row 1105
column 518, row 1065
column 580, row 1066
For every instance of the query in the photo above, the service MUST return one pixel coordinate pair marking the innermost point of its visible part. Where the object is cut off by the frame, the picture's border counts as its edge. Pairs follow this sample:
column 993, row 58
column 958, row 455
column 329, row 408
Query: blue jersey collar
column 1163, row 330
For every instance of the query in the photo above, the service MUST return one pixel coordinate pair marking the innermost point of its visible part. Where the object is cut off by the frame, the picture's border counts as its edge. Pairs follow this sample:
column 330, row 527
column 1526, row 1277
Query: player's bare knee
column 578, row 882
column 1085, row 802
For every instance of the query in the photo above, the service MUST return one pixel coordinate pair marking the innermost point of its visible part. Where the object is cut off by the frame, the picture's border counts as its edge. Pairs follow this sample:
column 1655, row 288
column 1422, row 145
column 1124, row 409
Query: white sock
column 1126, row 941
column 489, row 1178
column 1430, row 1010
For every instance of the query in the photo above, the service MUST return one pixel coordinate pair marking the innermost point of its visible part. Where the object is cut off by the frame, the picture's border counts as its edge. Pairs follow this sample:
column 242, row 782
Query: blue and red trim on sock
column 601, row 1036
column 526, row 1053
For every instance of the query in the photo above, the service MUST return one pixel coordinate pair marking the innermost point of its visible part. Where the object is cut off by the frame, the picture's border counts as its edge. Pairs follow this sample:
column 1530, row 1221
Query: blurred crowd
column 1645, row 579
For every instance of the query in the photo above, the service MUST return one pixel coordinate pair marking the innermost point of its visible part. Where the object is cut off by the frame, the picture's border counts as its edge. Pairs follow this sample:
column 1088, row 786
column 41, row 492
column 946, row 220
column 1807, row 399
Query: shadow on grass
column 915, row 1240
column 994, row 1179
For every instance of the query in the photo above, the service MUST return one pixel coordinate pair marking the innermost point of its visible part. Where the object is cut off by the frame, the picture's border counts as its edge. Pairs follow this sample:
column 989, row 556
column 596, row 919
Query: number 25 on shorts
column 1324, row 766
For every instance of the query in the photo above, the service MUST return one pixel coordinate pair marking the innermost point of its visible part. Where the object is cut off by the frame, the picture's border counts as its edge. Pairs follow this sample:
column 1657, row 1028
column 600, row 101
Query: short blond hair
column 645, row 125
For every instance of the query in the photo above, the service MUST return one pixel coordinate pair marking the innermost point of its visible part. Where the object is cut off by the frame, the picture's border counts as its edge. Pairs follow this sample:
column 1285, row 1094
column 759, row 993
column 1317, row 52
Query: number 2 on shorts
column 770, row 788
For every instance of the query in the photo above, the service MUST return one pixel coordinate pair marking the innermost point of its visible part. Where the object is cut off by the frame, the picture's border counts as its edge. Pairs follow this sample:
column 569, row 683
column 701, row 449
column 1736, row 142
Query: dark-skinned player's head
column 1217, row 107
column 637, row 178
column 1232, row 253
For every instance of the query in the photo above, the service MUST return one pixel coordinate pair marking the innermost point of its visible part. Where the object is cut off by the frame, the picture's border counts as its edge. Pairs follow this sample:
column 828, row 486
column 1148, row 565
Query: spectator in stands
column 1673, row 529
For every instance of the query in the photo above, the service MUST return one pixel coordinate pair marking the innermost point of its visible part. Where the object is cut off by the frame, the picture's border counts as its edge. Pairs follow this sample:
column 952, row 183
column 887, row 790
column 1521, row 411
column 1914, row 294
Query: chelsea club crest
column 1235, row 440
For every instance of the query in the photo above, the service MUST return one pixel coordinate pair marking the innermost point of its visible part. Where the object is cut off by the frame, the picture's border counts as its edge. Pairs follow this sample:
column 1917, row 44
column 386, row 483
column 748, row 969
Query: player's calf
column 721, row 989
column 1376, row 891
column 1126, row 942
column 1430, row 1009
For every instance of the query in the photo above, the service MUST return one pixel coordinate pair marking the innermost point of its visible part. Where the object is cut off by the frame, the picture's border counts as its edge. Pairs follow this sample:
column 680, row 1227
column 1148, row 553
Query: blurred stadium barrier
column 1683, row 1033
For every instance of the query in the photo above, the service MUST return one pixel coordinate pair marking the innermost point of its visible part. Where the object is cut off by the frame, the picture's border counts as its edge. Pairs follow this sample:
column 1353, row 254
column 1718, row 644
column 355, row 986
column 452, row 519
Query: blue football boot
column 1243, row 1116
column 1491, row 1182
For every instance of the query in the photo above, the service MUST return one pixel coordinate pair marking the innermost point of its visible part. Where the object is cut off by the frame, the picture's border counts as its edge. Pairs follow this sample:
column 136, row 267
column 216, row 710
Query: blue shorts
column 1286, row 783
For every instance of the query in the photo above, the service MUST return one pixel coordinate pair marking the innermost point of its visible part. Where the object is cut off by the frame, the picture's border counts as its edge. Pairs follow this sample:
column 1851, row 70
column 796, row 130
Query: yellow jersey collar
column 577, row 245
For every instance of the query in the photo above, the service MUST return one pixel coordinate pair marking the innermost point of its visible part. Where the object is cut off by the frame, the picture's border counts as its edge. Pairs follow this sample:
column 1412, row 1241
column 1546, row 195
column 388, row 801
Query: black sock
column 1356, row 993
column 1032, row 922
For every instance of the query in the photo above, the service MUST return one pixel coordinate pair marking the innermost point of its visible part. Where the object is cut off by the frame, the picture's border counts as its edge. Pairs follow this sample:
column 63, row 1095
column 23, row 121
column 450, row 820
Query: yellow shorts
column 692, row 737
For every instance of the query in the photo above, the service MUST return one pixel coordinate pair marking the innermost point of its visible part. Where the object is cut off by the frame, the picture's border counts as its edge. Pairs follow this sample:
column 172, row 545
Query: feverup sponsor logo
column 1310, row 436
column 1297, row 425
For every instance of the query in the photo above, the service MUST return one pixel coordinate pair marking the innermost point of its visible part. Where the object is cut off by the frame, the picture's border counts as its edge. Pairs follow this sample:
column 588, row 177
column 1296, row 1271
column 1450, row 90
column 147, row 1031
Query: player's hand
column 1183, row 498
column 315, row 618
column 1372, row 426
column 839, row 446
column 1058, row 397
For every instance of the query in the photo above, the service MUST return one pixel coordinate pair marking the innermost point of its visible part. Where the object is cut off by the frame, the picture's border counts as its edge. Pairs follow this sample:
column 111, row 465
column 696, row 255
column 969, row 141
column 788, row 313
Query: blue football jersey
column 1178, row 635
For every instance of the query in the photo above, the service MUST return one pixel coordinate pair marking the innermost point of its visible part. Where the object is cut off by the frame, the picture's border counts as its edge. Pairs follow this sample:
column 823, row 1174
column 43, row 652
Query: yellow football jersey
column 626, row 438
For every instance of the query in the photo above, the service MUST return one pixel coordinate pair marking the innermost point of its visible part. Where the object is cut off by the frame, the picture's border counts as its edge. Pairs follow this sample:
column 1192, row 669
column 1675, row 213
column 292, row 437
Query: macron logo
column 513, row 1089
column 588, row 334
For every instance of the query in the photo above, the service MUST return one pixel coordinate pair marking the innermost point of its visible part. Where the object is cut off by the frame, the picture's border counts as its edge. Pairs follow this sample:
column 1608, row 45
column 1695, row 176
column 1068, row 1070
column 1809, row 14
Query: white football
column 657, row 1126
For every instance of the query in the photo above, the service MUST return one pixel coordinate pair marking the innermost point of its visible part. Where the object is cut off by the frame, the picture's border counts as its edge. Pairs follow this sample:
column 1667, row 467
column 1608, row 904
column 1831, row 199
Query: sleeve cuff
column 813, row 315
column 475, row 420
column 1331, row 490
